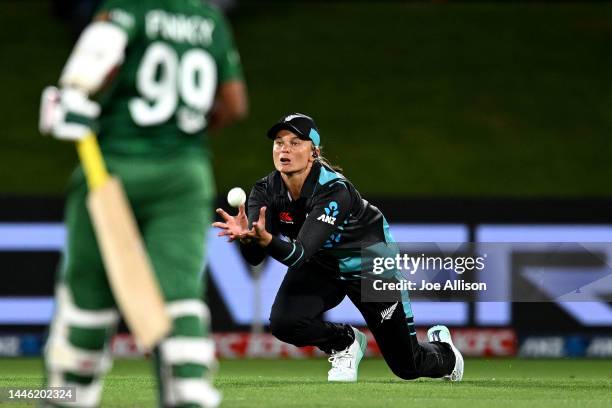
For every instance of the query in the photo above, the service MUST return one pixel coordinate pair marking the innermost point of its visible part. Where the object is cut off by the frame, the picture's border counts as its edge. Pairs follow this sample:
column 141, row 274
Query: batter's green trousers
column 172, row 200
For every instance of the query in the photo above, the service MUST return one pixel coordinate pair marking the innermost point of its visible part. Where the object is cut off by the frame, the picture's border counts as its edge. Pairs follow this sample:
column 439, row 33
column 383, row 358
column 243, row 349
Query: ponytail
column 319, row 157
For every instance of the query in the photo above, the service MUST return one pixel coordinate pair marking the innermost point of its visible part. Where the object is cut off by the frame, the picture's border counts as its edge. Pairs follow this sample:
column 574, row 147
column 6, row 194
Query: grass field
column 302, row 383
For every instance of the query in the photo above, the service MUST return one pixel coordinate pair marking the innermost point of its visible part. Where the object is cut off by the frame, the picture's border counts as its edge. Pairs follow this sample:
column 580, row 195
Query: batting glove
column 67, row 114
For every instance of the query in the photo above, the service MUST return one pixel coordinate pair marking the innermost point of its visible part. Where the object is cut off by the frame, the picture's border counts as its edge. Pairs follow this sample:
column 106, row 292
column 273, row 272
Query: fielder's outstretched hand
column 233, row 227
column 237, row 227
column 258, row 232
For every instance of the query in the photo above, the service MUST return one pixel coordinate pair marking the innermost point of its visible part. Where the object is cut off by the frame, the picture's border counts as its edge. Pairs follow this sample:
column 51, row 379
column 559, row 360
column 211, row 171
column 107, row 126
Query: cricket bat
column 127, row 264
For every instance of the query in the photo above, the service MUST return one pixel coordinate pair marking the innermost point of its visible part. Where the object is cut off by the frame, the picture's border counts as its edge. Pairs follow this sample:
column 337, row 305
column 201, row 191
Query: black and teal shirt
column 328, row 224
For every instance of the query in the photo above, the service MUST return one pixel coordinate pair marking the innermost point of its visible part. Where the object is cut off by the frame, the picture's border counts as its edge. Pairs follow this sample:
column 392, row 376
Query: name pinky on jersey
column 194, row 30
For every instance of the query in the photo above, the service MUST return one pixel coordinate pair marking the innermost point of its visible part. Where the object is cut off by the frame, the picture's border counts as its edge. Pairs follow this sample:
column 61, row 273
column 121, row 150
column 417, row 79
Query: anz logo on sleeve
column 331, row 211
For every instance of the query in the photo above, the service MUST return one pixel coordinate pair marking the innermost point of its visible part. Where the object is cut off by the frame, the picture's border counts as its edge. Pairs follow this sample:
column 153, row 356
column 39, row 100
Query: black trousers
column 309, row 291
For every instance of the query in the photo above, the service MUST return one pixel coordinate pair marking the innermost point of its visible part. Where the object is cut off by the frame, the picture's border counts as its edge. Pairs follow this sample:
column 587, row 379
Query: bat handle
column 92, row 161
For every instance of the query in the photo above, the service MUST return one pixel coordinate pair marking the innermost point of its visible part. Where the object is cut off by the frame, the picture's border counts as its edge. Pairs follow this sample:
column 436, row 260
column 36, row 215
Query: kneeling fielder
column 327, row 222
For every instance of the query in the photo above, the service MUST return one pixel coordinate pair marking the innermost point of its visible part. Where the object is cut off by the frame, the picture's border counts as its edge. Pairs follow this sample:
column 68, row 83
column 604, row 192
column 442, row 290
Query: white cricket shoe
column 442, row 334
column 345, row 363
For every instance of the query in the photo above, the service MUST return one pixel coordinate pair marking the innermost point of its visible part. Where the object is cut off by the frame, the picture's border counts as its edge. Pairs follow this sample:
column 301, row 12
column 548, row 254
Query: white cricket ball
column 236, row 197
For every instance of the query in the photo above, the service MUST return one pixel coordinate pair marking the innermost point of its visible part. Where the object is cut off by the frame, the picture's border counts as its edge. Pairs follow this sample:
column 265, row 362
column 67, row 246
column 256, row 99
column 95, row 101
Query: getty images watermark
column 486, row 272
column 403, row 265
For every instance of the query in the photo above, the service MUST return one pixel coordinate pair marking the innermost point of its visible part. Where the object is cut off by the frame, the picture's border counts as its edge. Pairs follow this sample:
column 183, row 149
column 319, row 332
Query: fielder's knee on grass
column 405, row 373
column 186, row 360
column 76, row 353
column 411, row 368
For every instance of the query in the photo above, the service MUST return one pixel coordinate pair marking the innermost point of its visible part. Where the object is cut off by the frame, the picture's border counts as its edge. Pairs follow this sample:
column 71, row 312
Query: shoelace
column 341, row 359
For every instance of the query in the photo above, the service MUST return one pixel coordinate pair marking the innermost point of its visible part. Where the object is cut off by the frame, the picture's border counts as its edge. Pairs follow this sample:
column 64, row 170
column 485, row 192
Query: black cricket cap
column 303, row 126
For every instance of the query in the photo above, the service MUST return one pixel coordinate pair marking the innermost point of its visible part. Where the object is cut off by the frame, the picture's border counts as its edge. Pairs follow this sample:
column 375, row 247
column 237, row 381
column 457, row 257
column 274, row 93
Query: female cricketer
column 152, row 91
column 324, row 222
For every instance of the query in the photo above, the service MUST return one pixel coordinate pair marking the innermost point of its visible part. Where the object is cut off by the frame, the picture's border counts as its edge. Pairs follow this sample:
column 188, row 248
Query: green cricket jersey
column 177, row 54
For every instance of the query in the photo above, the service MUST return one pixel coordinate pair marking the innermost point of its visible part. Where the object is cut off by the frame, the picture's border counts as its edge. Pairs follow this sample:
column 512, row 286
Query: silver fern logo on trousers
column 388, row 312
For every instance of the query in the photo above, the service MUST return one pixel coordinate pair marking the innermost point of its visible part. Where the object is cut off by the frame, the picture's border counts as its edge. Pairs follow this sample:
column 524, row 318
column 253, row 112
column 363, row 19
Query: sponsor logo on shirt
column 285, row 217
column 331, row 211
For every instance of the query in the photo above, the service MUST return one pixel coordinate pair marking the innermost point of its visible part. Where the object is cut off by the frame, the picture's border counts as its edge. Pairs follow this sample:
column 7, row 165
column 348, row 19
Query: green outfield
column 301, row 383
